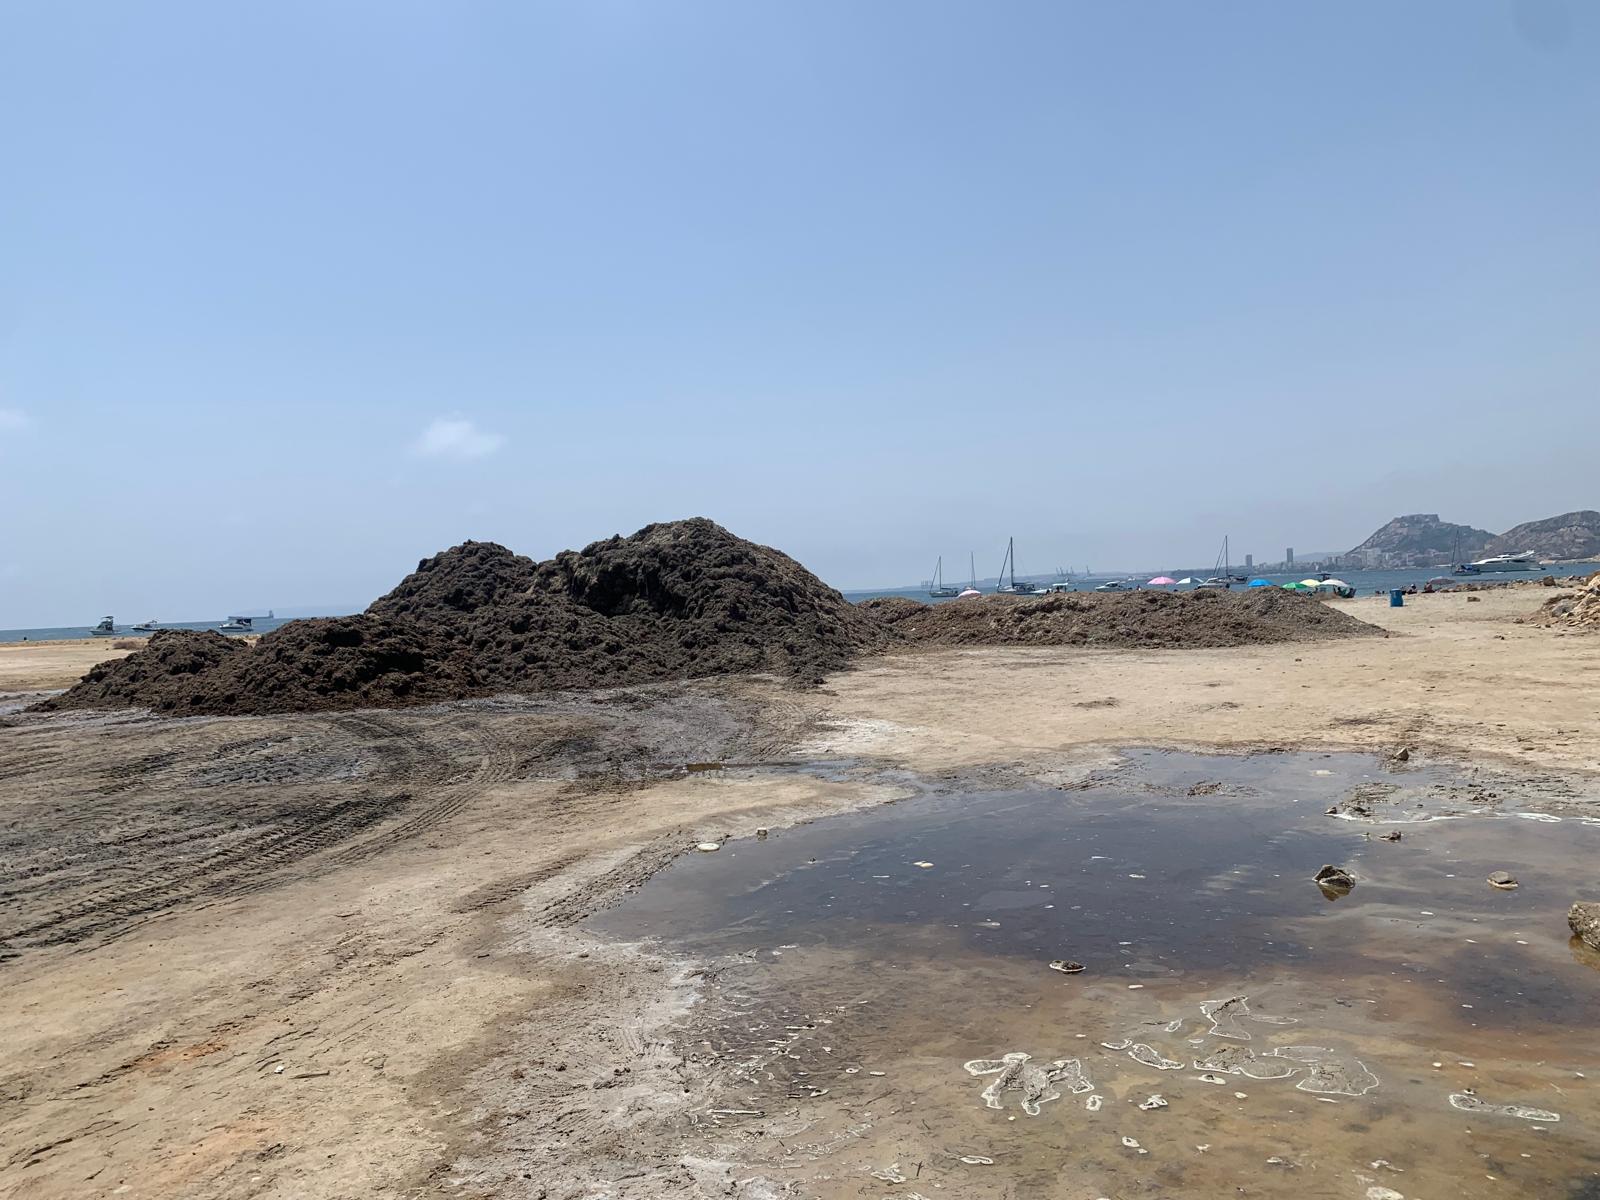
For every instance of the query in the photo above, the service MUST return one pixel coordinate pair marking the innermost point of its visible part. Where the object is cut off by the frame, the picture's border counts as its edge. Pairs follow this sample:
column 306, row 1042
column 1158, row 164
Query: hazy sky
column 292, row 294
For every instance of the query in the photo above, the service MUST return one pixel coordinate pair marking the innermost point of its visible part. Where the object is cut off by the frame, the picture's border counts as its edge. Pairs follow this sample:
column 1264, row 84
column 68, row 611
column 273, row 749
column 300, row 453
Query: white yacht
column 238, row 625
column 1499, row 563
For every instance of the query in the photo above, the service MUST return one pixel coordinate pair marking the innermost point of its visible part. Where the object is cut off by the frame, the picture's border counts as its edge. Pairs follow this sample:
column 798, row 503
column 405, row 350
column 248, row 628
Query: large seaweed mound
column 676, row 600
column 1150, row 619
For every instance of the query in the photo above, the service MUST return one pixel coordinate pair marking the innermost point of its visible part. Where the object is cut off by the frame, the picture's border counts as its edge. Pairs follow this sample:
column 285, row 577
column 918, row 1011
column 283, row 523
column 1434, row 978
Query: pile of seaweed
column 676, row 600
column 1149, row 619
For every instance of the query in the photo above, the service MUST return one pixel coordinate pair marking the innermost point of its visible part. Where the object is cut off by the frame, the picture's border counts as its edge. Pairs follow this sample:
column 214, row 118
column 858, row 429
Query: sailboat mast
column 1011, row 557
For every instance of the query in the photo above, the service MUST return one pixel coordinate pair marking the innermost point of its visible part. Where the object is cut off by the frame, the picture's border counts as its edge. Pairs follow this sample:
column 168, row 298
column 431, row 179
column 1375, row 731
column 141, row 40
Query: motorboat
column 1114, row 585
column 238, row 625
column 106, row 628
column 1500, row 563
column 149, row 626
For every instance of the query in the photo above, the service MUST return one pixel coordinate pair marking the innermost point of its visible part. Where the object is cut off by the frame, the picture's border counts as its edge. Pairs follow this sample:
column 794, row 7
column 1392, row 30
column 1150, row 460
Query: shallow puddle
column 898, row 1009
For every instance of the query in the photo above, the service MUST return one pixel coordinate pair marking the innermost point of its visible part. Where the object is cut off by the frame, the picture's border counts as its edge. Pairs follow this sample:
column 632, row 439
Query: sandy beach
column 340, row 954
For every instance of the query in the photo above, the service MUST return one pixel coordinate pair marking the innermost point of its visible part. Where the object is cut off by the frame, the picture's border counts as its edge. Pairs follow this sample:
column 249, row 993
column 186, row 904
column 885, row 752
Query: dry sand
column 47, row 666
column 334, row 955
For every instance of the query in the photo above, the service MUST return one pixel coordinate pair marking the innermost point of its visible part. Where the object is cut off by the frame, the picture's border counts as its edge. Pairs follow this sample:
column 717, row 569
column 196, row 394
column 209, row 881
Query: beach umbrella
column 1297, row 587
column 1440, row 581
column 1186, row 579
column 1261, row 583
column 1335, row 584
column 1160, row 579
column 1311, row 583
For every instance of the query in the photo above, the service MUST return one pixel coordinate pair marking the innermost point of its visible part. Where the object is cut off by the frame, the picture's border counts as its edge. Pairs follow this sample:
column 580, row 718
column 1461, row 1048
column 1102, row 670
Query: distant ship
column 105, row 629
column 238, row 625
column 1498, row 564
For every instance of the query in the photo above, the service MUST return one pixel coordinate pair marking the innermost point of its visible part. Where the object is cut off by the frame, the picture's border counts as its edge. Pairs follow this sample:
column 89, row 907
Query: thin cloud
column 453, row 437
column 12, row 419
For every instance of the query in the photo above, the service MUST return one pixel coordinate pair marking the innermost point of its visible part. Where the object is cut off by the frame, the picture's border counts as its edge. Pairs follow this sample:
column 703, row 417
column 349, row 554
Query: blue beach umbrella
column 1261, row 583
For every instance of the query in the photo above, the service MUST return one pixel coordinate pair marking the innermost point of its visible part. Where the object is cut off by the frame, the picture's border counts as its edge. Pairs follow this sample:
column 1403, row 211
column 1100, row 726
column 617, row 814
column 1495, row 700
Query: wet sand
column 388, row 907
column 880, row 966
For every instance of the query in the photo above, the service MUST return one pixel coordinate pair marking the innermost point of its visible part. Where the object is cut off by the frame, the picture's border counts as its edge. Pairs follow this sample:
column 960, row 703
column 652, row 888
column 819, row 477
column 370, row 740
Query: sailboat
column 939, row 589
column 972, row 569
column 1227, row 578
column 1008, row 575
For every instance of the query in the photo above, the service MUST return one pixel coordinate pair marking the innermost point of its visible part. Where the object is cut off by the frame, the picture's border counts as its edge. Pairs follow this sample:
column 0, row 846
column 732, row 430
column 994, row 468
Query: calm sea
column 62, row 632
column 1365, row 582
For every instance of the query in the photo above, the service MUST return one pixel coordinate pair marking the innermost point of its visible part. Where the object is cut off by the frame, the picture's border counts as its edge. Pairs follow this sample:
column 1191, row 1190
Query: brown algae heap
column 1231, row 1023
column 675, row 601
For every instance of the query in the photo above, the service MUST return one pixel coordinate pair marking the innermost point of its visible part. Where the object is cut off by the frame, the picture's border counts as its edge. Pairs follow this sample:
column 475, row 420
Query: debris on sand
column 1574, row 610
column 1467, row 1102
column 674, row 601
column 1334, row 880
column 1503, row 880
column 1159, row 620
column 1066, row 966
column 1584, row 918
column 1036, row 1082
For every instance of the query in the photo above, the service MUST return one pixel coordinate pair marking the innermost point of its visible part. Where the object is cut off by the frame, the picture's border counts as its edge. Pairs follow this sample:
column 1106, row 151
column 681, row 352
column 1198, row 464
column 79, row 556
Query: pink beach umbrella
column 1160, row 579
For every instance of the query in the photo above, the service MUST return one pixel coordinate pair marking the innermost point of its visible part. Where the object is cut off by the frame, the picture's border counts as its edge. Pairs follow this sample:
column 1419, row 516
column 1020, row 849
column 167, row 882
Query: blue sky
column 292, row 295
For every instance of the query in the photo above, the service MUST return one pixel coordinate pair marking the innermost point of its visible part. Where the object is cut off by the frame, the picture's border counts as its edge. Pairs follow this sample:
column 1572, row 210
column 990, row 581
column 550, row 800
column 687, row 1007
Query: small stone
column 709, row 847
column 1334, row 879
column 1503, row 880
column 1066, row 966
column 1393, row 835
column 1584, row 918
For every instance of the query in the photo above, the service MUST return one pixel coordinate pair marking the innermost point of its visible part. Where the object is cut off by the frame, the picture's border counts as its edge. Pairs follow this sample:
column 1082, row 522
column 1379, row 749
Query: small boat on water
column 1115, row 585
column 238, row 625
column 106, row 628
column 149, row 626
column 939, row 589
column 1008, row 575
column 1225, row 578
column 972, row 588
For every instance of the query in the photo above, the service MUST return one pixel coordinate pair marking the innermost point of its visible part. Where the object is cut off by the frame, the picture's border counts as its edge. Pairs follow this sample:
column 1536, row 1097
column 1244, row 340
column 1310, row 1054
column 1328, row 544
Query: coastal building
column 1288, row 556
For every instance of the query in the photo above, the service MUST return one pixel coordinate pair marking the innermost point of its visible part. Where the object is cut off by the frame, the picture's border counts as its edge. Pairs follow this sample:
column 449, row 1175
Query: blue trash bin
column 1397, row 598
